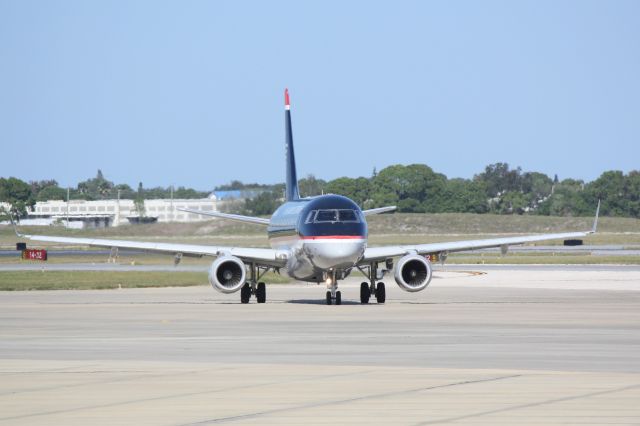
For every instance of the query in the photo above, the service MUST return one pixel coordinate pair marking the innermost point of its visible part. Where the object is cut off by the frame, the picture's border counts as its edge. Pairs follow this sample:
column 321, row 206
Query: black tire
column 381, row 293
column 365, row 293
column 328, row 298
column 261, row 293
column 245, row 293
column 338, row 298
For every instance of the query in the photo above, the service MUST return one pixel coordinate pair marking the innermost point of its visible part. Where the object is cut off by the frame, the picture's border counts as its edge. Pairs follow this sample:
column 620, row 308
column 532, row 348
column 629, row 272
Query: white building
column 104, row 213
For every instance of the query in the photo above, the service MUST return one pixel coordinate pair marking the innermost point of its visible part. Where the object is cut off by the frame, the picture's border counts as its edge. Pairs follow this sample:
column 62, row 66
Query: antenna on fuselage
column 291, row 184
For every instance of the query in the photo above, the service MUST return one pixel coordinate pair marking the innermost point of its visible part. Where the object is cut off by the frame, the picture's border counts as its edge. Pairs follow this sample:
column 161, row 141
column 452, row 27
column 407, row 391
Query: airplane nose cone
column 330, row 253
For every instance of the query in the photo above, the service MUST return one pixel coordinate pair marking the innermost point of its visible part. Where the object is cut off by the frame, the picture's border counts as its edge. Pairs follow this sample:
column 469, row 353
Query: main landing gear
column 259, row 290
column 369, row 289
column 366, row 291
column 253, row 287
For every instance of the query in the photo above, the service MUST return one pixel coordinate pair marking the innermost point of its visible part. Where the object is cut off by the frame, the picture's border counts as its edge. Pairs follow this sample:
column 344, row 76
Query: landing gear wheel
column 261, row 293
column 245, row 293
column 381, row 293
column 365, row 293
column 338, row 298
column 328, row 298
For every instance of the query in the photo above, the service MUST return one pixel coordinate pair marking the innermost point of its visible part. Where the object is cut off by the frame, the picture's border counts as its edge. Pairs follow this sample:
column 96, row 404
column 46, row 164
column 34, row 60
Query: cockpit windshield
column 332, row 216
column 347, row 216
column 327, row 216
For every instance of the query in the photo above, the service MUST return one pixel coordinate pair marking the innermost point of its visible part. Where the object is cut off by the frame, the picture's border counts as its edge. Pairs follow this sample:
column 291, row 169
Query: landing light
column 328, row 281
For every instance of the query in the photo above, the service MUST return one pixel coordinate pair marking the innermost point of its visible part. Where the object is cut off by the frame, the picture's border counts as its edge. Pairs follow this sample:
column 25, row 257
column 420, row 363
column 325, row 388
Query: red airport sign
column 34, row 254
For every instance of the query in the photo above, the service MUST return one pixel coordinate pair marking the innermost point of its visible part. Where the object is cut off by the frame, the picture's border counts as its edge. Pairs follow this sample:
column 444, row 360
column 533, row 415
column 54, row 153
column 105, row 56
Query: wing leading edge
column 378, row 210
column 262, row 255
column 379, row 253
column 236, row 217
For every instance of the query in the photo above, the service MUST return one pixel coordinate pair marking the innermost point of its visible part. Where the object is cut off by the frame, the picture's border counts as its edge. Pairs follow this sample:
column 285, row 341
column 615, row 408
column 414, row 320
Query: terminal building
column 105, row 213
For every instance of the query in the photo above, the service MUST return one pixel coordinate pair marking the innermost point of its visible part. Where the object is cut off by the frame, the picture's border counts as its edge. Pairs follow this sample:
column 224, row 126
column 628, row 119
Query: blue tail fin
column 291, row 188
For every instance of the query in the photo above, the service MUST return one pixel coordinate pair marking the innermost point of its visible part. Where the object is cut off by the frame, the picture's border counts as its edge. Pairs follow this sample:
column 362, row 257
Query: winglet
column 287, row 104
column 595, row 221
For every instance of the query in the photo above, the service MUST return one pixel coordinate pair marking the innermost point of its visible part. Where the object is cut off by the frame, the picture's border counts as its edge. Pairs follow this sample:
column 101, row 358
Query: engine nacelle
column 227, row 274
column 413, row 273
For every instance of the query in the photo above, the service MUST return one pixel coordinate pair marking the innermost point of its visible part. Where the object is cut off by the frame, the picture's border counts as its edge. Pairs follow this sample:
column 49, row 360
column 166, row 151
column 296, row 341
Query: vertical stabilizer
column 291, row 190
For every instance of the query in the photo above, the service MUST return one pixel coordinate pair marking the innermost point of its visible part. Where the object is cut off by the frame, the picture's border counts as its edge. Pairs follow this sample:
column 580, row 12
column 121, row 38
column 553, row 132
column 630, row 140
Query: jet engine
column 227, row 274
column 413, row 273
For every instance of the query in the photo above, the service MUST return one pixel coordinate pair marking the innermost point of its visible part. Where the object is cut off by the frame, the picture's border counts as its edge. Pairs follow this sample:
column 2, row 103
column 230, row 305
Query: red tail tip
column 286, row 97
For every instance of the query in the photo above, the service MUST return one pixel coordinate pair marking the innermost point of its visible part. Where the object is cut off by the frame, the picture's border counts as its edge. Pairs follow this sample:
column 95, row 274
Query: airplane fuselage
column 324, row 235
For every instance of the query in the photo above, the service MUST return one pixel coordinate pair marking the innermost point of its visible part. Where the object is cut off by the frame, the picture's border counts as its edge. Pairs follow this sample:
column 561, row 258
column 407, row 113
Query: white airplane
column 315, row 239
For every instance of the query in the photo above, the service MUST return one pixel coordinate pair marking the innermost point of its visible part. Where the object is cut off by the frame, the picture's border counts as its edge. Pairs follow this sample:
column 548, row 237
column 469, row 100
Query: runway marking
column 452, row 271
column 529, row 405
column 345, row 401
column 187, row 394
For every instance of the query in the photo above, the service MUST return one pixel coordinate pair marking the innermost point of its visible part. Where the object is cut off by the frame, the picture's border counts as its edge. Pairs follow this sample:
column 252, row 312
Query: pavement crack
column 47, row 371
column 100, row 382
column 182, row 395
column 345, row 401
column 529, row 405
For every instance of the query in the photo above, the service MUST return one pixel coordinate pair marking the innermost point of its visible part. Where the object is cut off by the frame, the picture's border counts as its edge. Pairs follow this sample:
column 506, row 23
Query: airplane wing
column 380, row 253
column 263, row 256
column 379, row 210
column 236, row 217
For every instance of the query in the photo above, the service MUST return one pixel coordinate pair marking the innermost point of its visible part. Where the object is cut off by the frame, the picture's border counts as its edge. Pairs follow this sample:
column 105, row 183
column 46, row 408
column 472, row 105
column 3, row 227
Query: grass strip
column 99, row 280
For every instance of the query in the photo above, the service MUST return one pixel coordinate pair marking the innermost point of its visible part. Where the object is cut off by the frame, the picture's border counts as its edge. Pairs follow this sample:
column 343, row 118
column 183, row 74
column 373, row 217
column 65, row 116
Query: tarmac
column 482, row 345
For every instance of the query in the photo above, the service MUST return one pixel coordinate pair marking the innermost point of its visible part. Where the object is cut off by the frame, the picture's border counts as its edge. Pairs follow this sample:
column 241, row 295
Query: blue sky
column 190, row 93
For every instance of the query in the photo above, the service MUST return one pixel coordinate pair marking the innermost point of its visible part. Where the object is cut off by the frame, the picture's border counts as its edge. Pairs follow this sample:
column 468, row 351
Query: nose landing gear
column 333, row 294
column 337, row 299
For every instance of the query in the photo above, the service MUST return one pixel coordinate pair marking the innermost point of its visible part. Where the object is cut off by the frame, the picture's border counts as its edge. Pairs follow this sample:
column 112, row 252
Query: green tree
column 464, row 196
column 263, row 204
column 536, row 185
column 499, row 179
column 418, row 182
column 236, row 185
column 44, row 190
column 17, row 194
column 126, row 192
column 311, row 186
column 139, row 201
column 356, row 189
column 513, row 202
column 51, row 193
column 186, row 193
column 567, row 200
column 610, row 189
column 96, row 188
column 632, row 193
